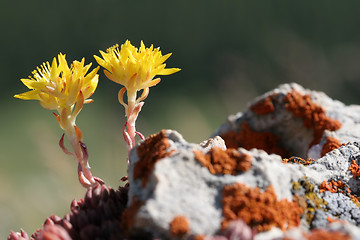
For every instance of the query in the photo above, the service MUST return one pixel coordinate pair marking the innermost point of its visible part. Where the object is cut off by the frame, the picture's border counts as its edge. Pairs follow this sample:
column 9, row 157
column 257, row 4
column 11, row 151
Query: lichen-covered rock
column 293, row 121
column 180, row 184
column 290, row 162
column 203, row 187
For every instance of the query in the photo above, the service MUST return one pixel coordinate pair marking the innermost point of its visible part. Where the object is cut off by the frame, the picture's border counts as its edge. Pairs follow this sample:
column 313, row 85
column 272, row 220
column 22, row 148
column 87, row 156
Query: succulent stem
column 75, row 136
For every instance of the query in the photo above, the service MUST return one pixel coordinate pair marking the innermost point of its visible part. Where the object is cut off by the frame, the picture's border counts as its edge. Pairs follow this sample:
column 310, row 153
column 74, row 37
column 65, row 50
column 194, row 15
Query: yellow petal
column 168, row 71
column 31, row 84
column 30, row 95
column 100, row 61
column 53, row 71
column 151, row 83
column 164, row 58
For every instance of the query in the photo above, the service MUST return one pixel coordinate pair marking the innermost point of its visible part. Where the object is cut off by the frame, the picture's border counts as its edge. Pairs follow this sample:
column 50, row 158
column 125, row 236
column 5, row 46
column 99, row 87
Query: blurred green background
column 229, row 52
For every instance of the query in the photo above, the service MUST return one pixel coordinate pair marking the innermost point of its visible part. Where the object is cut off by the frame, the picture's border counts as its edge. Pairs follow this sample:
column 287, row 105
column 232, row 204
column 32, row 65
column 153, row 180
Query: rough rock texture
column 290, row 170
column 288, row 167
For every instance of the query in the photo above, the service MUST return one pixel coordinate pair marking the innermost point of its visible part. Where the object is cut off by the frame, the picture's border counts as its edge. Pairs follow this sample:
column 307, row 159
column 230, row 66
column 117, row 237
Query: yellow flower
column 65, row 89
column 58, row 86
column 134, row 68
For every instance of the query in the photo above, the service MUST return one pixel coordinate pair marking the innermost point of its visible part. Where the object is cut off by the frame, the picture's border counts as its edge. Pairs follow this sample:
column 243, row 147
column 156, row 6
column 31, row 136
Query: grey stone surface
column 180, row 185
column 293, row 135
column 339, row 205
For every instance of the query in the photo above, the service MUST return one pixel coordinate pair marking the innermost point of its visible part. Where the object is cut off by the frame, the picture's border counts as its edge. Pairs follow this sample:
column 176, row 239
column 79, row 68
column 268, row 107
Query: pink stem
column 99, row 180
column 127, row 137
column 82, row 178
column 140, row 135
column 85, row 176
column 62, row 146
column 131, row 133
column 85, row 166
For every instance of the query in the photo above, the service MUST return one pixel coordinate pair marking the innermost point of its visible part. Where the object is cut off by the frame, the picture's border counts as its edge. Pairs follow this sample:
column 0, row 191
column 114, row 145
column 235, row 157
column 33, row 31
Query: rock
column 289, row 167
column 181, row 185
column 297, row 122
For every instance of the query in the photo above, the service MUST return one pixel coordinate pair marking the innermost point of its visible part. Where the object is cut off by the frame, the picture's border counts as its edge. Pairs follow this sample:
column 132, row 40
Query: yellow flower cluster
column 134, row 68
column 58, row 86
column 66, row 89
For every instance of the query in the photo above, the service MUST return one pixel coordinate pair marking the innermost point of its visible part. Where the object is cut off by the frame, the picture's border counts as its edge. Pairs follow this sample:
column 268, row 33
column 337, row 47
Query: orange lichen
column 354, row 169
column 332, row 220
column 320, row 234
column 264, row 106
column 149, row 152
column 220, row 161
column 179, row 226
column 199, row 237
column 313, row 115
column 331, row 144
column 129, row 214
column 340, row 187
column 259, row 210
column 332, row 186
column 355, row 200
column 298, row 160
column 249, row 139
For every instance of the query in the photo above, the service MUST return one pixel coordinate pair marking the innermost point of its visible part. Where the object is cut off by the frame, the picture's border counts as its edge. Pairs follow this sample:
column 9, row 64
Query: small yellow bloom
column 134, row 68
column 58, row 86
column 65, row 89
